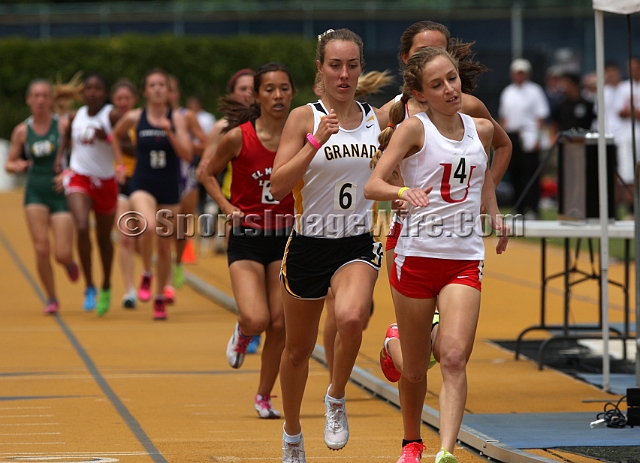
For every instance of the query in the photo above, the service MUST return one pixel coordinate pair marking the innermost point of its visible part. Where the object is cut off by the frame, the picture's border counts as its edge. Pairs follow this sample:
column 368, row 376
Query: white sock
column 292, row 439
column 332, row 399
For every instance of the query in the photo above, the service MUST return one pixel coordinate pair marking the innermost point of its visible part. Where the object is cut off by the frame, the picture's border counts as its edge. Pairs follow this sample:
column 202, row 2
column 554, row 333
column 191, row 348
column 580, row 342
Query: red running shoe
column 386, row 362
column 73, row 272
column 51, row 308
column 169, row 294
column 144, row 292
column 159, row 309
column 411, row 453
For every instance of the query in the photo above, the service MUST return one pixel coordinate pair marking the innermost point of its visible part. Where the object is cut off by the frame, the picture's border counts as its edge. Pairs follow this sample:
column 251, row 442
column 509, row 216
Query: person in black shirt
column 575, row 111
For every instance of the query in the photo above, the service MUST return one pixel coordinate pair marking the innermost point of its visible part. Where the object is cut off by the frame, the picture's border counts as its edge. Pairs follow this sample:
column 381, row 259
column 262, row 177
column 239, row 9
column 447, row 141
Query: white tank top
column 449, row 227
column 89, row 155
column 329, row 200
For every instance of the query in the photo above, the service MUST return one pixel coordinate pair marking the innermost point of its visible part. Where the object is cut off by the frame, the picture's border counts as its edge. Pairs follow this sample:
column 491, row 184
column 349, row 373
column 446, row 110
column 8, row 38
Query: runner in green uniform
column 44, row 201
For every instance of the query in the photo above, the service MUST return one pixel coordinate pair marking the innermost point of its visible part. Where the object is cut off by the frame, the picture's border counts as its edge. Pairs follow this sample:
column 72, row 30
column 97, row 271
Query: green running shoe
column 104, row 302
column 178, row 276
column 445, row 457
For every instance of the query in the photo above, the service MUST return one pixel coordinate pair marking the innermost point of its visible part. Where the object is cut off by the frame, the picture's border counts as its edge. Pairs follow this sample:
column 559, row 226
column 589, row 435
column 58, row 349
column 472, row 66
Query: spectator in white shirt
column 205, row 118
column 523, row 110
column 612, row 80
column 624, row 138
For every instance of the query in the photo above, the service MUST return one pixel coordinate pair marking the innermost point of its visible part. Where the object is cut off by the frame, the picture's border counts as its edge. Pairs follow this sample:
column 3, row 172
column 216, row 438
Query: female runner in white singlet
column 443, row 157
column 322, row 158
column 92, row 184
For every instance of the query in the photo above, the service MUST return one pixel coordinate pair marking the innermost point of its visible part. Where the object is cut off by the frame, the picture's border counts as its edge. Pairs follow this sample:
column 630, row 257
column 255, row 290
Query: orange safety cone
column 189, row 253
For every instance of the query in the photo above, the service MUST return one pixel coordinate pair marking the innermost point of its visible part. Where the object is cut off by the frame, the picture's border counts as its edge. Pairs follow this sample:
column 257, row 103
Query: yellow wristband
column 402, row 190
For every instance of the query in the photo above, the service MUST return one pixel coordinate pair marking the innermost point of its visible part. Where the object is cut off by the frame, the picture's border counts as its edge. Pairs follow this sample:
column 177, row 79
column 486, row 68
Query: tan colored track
column 124, row 388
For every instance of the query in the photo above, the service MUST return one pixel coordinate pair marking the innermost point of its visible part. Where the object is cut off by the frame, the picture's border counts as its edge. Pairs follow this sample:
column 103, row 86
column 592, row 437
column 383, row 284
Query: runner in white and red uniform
column 92, row 185
column 443, row 156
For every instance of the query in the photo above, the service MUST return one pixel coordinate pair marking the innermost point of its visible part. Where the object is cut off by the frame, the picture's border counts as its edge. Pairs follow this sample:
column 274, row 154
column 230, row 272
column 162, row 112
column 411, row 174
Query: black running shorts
column 262, row 246
column 310, row 263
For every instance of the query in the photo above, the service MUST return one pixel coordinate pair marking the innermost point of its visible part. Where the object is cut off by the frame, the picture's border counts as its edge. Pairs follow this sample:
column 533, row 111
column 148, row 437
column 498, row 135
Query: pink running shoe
column 411, row 453
column 237, row 347
column 51, row 308
column 159, row 309
column 169, row 294
column 144, row 292
column 262, row 404
column 386, row 362
column 73, row 272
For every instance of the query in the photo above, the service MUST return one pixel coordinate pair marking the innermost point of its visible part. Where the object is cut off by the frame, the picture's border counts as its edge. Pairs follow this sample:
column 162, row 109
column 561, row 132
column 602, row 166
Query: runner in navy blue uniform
column 161, row 138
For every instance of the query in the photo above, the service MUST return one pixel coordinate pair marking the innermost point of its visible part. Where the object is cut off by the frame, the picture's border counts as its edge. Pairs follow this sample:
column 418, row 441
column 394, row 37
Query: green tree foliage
column 202, row 64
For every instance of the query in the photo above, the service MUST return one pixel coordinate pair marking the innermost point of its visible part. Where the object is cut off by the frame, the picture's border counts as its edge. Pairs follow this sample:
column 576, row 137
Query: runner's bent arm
column 228, row 149
column 295, row 153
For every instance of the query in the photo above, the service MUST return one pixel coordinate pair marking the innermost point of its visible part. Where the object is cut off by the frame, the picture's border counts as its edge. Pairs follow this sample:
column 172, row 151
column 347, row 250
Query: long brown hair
column 412, row 81
column 468, row 69
column 238, row 113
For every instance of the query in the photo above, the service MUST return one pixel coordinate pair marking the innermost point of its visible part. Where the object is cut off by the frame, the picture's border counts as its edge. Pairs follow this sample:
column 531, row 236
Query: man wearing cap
column 523, row 110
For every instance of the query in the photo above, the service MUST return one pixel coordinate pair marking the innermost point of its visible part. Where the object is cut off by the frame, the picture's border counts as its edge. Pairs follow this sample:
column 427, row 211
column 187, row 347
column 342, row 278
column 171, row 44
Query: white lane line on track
column 33, row 443
column 332, row 458
column 76, row 454
column 29, row 424
column 25, row 416
column 24, row 408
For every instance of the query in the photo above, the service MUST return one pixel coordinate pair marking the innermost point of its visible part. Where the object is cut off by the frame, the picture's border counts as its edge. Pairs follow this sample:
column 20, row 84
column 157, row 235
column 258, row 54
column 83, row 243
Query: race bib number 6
column 344, row 198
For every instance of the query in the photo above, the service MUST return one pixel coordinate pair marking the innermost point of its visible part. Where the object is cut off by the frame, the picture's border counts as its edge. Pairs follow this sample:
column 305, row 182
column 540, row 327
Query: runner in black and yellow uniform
column 124, row 96
column 44, row 202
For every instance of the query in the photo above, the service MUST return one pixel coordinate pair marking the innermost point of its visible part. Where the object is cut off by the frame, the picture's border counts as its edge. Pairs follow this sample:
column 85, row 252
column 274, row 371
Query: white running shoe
column 262, row 404
column 237, row 347
column 293, row 452
column 336, row 429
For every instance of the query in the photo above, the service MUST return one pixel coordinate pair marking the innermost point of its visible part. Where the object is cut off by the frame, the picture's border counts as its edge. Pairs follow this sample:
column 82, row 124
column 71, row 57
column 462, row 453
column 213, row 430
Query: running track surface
column 78, row 388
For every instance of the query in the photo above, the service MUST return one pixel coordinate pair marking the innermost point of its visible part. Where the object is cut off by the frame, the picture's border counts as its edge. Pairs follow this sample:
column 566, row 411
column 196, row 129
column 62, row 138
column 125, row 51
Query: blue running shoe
column 90, row 298
column 252, row 348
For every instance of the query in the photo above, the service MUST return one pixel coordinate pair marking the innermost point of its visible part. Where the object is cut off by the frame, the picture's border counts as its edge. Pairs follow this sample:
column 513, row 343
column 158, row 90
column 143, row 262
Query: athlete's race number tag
column 158, row 159
column 42, row 148
column 460, row 171
column 344, row 198
column 266, row 193
column 377, row 253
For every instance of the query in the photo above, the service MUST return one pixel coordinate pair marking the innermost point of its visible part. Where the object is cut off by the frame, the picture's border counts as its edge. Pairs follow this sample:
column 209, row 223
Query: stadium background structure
column 541, row 31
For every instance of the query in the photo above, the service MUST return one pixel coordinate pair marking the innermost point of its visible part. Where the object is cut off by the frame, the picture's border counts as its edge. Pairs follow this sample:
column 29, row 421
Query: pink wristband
column 109, row 138
column 313, row 141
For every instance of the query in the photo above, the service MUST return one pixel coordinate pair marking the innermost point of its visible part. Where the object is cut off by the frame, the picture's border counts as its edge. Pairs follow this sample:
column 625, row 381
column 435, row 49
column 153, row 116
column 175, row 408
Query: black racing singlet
column 157, row 168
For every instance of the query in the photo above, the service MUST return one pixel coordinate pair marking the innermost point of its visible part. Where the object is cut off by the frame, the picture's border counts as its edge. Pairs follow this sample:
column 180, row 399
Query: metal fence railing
column 303, row 7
